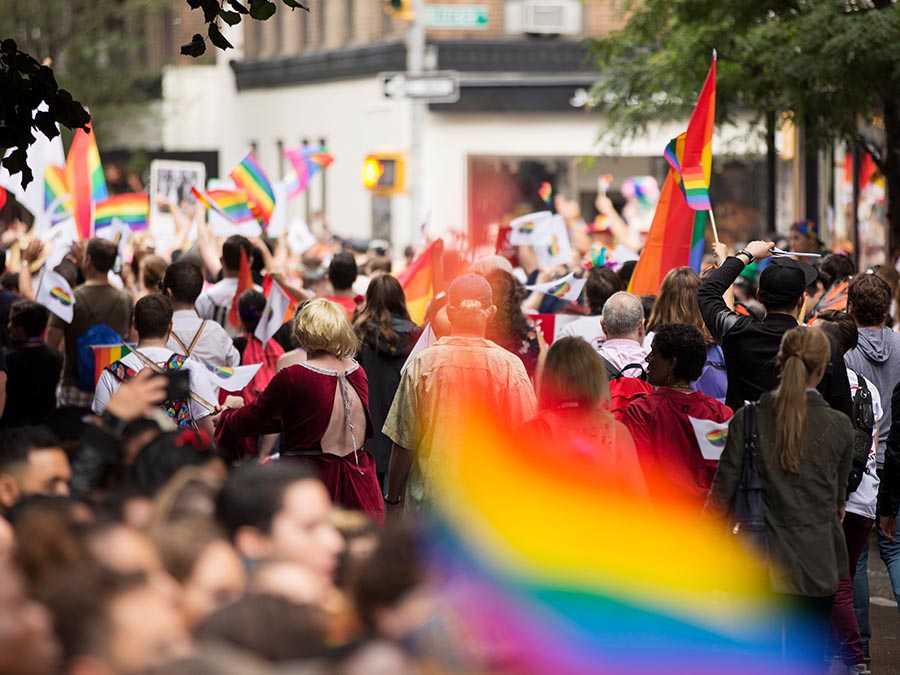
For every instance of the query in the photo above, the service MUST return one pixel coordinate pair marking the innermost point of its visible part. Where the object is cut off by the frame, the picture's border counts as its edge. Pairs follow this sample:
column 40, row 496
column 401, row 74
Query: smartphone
column 178, row 385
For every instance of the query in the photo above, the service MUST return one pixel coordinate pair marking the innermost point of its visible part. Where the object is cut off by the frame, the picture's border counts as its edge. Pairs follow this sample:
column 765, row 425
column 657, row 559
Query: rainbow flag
column 233, row 203
column 543, row 554
column 545, row 192
column 249, row 176
column 307, row 162
column 677, row 238
column 422, row 280
column 55, row 189
column 84, row 176
column 106, row 355
column 690, row 154
column 132, row 208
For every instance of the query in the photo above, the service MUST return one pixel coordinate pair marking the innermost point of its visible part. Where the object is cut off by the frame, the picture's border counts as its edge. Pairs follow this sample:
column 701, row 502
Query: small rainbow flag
column 233, row 203
column 223, row 371
column 422, row 280
column 85, row 179
column 55, row 187
column 248, row 174
column 545, row 192
column 61, row 294
column 561, row 290
column 717, row 437
column 106, row 355
column 132, row 208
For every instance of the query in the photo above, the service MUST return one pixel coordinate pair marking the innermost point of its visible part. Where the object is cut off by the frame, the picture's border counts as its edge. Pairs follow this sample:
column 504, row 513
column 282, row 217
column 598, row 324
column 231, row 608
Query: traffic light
column 400, row 9
column 383, row 173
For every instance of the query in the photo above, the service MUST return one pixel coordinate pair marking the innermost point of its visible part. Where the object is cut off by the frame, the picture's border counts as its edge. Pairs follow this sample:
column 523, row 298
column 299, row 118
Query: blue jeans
column 890, row 555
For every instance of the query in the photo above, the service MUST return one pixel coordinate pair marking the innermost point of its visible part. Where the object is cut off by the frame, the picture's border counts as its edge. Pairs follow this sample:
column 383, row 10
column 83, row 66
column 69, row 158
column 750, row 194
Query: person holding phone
column 191, row 396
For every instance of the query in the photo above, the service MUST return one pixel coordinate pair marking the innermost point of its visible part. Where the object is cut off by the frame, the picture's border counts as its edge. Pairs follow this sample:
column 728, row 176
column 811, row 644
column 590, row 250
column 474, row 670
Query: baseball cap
column 783, row 282
column 470, row 287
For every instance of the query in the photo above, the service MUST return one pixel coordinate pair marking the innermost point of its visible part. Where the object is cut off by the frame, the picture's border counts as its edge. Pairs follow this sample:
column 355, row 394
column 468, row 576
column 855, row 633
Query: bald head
column 623, row 317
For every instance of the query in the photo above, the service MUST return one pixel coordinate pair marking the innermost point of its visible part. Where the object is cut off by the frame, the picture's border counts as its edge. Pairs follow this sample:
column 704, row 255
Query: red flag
column 2, row 197
column 245, row 281
column 84, row 174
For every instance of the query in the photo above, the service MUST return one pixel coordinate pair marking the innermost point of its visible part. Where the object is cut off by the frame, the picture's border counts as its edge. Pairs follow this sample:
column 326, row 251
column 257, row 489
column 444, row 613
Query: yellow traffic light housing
column 383, row 173
column 400, row 9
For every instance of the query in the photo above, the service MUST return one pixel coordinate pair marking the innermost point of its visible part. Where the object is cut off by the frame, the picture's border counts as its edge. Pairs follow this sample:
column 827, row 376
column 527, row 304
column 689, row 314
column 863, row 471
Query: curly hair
column 509, row 325
column 869, row 300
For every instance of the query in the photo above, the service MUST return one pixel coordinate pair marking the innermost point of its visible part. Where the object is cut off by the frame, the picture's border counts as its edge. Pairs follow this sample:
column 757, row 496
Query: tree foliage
column 832, row 64
column 95, row 46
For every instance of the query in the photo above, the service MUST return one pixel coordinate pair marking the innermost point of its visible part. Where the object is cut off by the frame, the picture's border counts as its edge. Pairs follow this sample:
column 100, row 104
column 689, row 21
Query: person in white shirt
column 623, row 324
column 201, row 339
column 601, row 283
column 215, row 302
column 152, row 321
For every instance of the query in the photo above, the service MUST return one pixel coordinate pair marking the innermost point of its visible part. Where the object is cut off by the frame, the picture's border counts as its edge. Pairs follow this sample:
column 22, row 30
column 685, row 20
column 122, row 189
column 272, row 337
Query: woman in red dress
column 320, row 408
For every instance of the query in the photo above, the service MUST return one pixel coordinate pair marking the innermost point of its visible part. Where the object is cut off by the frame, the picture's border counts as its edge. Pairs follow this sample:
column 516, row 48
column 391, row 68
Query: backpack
column 96, row 335
column 748, row 509
column 179, row 409
column 624, row 389
column 863, row 419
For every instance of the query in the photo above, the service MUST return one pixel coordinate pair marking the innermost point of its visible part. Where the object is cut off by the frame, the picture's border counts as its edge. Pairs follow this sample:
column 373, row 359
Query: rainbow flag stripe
column 248, row 174
column 62, row 295
column 530, row 543
column 84, row 176
column 106, row 355
column 132, row 208
column 561, row 290
column 696, row 188
column 421, row 281
column 233, row 203
column 55, row 187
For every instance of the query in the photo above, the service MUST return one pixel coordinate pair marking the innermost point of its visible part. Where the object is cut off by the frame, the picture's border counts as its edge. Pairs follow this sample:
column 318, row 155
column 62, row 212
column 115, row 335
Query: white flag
column 711, row 437
column 55, row 294
column 524, row 227
column 232, row 379
column 564, row 288
column 426, row 339
column 273, row 315
column 551, row 242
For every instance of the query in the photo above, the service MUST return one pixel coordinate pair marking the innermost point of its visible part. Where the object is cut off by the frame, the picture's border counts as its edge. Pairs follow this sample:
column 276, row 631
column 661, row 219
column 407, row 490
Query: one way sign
column 439, row 86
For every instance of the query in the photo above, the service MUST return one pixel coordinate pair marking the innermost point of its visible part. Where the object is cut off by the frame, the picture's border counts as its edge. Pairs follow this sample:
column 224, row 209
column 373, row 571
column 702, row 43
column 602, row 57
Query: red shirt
column 665, row 440
column 297, row 403
column 347, row 302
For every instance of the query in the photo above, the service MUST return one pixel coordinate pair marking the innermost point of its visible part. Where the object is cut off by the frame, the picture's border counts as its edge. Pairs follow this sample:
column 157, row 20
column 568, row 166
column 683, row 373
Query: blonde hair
column 677, row 302
column 573, row 373
column 322, row 326
column 803, row 351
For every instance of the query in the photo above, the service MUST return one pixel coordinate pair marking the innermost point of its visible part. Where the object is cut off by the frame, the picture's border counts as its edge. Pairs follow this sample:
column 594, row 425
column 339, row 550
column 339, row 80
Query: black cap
column 783, row 282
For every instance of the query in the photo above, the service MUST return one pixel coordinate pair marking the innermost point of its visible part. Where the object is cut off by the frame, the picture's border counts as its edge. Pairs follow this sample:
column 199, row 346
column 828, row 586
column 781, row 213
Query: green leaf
column 196, row 47
column 237, row 6
column 262, row 9
column 216, row 37
column 231, row 18
column 293, row 4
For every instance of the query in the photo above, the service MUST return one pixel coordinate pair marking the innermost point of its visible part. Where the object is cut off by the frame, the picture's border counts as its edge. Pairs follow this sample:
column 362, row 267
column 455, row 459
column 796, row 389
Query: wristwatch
column 743, row 251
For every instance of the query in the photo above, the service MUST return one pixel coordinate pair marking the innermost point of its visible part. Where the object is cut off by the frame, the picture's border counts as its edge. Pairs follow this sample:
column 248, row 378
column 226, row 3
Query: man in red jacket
column 677, row 430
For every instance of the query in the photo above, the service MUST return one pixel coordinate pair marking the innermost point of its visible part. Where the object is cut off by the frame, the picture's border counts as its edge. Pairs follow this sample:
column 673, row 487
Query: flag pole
column 712, row 221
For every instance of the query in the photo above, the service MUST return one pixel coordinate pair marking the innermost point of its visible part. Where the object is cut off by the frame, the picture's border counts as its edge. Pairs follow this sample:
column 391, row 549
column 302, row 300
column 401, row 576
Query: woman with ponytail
column 805, row 450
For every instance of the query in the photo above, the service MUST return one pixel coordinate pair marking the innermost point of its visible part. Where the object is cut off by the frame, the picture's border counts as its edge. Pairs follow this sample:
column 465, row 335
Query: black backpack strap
column 612, row 373
column 632, row 366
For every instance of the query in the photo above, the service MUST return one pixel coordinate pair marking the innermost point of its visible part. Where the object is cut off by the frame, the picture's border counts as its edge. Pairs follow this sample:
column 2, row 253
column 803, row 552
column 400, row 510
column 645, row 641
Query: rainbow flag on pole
column 422, row 280
column 132, row 208
column 307, row 162
column 690, row 154
column 84, row 176
column 233, row 203
column 249, row 176
column 106, row 355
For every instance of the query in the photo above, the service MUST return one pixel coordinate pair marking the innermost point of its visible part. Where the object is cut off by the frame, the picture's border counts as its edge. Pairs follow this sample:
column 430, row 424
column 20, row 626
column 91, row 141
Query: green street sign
column 456, row 16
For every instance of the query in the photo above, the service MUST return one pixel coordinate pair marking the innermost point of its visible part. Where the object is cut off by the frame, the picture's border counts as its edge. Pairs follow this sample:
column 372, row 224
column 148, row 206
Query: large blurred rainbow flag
column 85, row 180
column 677, row 235
column 132, row 208
column 555, row 567
column 422, row 280
column 56, row 192
column 251, row 178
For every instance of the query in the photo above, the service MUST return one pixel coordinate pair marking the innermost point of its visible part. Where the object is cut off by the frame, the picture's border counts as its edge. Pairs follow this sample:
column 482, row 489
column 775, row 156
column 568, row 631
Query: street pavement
column 884, row 618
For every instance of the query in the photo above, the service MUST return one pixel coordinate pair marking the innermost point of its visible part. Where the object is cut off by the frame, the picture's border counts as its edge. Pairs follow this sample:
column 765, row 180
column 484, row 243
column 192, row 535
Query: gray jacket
column 877, row 358
column 806, row 541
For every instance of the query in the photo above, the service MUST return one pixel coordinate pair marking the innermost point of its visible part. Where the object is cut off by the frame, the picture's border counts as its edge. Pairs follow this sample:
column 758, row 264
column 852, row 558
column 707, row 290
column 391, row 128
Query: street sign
column 456, row 16
column 439, row 86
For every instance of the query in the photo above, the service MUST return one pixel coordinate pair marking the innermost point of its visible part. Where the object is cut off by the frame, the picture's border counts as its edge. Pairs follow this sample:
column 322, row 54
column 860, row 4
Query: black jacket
column 889, row 489
column 751, row 346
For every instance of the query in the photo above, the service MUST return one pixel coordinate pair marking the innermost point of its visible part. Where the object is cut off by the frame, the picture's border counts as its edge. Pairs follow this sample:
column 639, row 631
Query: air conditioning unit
column 544, row 17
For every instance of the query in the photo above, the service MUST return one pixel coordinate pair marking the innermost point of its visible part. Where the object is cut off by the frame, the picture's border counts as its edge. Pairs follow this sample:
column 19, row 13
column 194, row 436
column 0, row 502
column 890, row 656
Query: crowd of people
column 153, row 521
